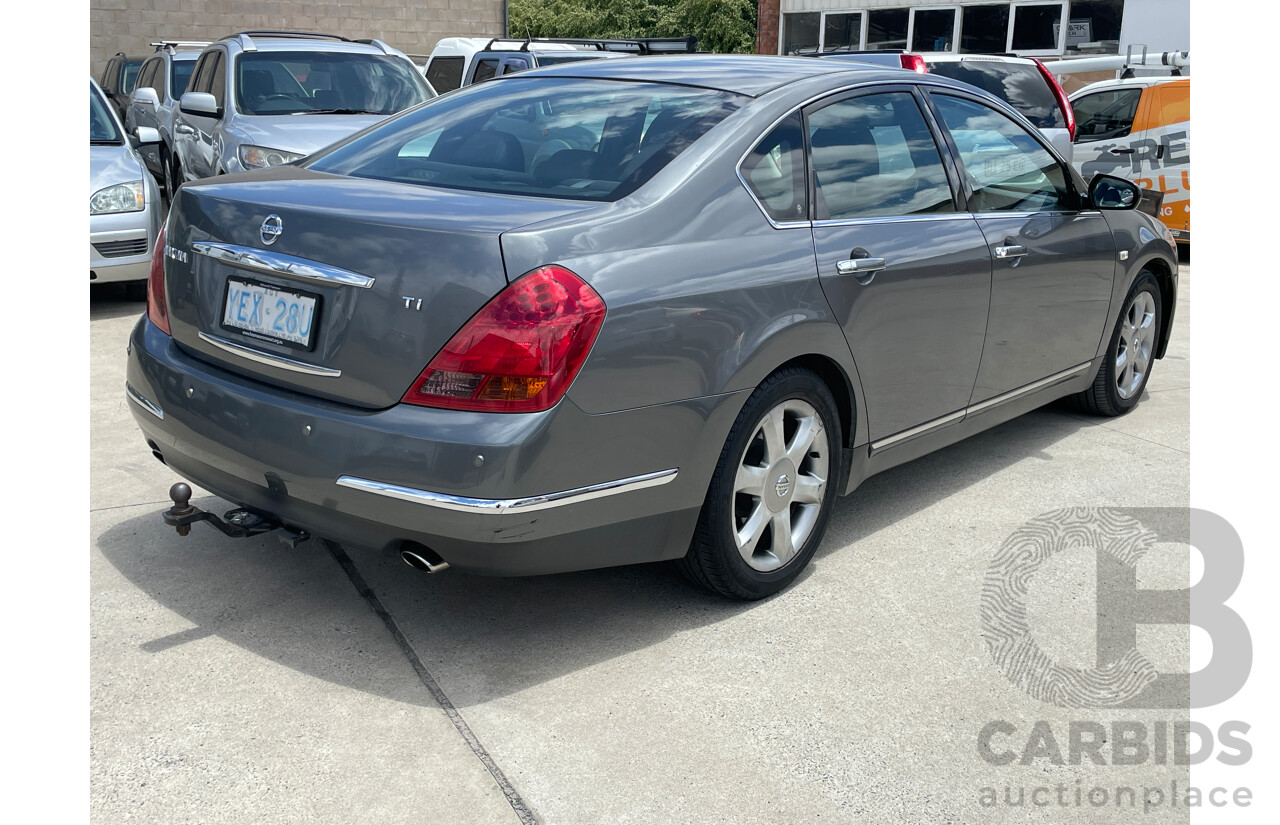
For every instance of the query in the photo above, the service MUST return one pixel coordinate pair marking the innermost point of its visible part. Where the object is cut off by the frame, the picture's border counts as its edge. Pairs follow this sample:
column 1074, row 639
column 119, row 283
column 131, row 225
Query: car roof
column 744, row 74
column 1127, row 82
column 268, row 42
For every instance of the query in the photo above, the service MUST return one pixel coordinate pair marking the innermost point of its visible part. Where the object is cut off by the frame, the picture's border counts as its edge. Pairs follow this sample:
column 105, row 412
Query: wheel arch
column 1168, row 295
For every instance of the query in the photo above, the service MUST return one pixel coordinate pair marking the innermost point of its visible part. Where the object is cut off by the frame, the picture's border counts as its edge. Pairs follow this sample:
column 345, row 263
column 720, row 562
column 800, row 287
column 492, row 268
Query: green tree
column 719, row 25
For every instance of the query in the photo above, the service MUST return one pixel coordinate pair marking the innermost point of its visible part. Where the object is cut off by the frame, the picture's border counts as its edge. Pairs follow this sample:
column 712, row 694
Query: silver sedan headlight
column 123, row 197
column 260, row 157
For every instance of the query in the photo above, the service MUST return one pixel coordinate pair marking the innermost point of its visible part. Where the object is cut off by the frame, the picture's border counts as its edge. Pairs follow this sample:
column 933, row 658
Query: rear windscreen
column 571, row 138
column 1021, row 85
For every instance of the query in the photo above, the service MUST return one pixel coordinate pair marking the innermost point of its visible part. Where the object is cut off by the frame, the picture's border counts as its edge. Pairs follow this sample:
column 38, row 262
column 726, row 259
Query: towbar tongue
column 238, row 524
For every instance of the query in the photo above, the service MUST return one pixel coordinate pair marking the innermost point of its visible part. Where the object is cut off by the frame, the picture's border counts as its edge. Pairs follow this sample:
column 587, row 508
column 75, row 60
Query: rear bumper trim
column 270, row 360
column 141, row 400
column 499, row 506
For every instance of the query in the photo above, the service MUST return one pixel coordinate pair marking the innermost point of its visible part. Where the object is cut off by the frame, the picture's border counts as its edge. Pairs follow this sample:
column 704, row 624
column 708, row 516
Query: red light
column 1067, row 111
column 157, row 305
column 520, row 352
column 915, row 63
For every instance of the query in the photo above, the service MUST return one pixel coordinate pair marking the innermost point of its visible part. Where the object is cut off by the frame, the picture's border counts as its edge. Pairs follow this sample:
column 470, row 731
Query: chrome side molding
column 952, row 418
column 498, row 506
column 274, row 263
column 142, row 401
column 267, row 358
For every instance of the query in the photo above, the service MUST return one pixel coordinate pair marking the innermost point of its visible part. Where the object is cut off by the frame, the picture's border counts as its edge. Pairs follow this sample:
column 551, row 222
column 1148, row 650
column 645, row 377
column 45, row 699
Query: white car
column 124, row 201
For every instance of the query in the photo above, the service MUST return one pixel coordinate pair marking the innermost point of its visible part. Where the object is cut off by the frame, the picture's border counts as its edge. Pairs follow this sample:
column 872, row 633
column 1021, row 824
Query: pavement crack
column 517, row 803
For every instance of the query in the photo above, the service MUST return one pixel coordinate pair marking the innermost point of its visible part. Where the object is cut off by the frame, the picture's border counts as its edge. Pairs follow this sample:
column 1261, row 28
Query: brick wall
column 767, row 18
column 412, row 26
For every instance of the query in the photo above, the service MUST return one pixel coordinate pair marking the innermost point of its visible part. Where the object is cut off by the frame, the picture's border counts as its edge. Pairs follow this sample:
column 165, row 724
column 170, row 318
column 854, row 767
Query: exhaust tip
column 424, row 559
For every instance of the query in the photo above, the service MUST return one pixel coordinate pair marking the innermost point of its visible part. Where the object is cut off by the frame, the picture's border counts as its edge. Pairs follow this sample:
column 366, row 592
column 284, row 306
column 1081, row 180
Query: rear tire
column 772, row 492
column 1130, row 354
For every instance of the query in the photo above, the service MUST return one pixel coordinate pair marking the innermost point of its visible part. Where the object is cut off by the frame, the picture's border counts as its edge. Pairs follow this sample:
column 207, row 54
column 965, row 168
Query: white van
column 1140, row 128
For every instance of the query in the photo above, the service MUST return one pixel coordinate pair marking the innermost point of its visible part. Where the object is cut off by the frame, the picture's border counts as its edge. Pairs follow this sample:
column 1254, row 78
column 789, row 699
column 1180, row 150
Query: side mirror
column 1110, row 192
column 145, row 95
column 202, row 104
column 146, row 136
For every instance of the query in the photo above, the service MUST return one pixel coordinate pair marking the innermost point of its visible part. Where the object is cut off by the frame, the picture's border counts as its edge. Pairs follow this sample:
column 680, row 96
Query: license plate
column 270, row 314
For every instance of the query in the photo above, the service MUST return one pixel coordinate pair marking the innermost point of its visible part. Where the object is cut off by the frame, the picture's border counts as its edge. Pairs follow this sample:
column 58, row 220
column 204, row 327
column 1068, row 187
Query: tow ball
column 240, row 523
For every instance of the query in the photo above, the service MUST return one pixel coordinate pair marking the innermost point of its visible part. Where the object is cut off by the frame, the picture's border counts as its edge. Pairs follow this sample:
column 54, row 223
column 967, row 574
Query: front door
column 907, row 273
column 1053, row 261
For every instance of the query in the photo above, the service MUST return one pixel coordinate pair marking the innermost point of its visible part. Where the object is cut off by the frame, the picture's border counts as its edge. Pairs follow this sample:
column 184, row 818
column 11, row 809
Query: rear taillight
column 914, row 62
column 1058, row 93
column 157, row 306
column 520, row 352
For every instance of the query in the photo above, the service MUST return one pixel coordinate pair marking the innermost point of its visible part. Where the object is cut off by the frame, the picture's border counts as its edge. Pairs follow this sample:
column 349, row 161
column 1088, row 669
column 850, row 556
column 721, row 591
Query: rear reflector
column 520, row 352
column 157, row 305
column 914, row 62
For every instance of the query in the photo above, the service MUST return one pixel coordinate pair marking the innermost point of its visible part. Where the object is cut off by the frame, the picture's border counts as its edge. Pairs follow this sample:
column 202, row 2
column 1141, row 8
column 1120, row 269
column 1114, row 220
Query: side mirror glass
column 201, row 104
column 145, row 95
column 1110, row 192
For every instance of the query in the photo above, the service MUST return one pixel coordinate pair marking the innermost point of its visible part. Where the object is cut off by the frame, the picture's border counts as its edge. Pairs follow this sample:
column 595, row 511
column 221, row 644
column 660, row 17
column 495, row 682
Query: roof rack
column 370, row 41
column 171, row 45
column 639, row 45
column 246, row 38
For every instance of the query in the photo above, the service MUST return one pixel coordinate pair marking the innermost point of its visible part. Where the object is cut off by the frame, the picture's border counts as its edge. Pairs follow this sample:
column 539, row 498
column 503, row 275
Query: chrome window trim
column 268, row 359
column 274, row 263
column 945, row 216
column 499, row 506
column 142, row 401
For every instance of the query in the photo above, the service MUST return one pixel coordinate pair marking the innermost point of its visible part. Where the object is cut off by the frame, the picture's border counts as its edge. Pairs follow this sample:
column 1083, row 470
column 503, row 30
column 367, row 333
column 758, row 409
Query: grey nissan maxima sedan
column 626, row 311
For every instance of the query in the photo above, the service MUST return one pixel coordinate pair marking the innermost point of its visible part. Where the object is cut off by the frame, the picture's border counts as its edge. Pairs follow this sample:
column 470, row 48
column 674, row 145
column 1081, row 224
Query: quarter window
column 1104, row 115
column 873, row 156
column 485, row 69
column 445, row 74
column 1008, row 169
column 775, row 172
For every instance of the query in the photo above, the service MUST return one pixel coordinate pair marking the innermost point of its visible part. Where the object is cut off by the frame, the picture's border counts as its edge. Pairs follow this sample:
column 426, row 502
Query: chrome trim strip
column 273, row 263
column 270, row 360
column 138, row 398
column 946, row 216
column 1056, row 378
column 927, row 426
column 498, row 506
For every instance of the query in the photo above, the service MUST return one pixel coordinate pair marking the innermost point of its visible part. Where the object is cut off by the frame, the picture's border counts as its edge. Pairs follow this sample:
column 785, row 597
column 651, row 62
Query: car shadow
column 486, row 638
column 115, row 300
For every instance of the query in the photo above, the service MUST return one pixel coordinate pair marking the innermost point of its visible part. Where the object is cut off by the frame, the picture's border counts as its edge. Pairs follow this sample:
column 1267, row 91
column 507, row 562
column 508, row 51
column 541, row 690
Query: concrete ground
column 241, row 681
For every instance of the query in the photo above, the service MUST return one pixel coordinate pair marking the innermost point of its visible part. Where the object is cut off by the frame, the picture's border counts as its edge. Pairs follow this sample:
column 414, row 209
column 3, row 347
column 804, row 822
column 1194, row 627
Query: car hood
column 303, row 134
column 109, row 165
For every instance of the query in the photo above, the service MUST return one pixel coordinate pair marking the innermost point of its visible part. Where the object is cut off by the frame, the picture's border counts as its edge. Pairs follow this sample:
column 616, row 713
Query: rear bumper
column 495, row 494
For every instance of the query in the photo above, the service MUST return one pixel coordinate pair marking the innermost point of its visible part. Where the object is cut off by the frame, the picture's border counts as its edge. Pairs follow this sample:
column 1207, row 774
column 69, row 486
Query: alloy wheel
column 780, row 485
column 1135, row 345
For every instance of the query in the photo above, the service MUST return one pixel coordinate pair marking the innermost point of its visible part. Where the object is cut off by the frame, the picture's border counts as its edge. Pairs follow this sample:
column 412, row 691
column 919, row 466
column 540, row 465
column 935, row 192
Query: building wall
column 413, row 26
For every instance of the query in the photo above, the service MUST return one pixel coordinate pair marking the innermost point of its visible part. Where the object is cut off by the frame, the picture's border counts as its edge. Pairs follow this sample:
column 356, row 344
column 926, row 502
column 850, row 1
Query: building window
column 933, row 30
column 1094, row 27
column 801, row 32
column 984, row 29
column 841, row 31
column 1037, row 28
column 887, row 28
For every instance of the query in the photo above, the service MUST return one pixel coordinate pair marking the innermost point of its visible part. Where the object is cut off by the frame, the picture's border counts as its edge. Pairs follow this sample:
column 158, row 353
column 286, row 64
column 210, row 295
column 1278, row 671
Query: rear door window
column 1106, row 115
column 874, row 156
column 445, row 73
column 1009, row 170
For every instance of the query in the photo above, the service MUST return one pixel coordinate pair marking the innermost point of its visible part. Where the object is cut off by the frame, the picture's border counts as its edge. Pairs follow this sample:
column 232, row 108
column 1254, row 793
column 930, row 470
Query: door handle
column 859, row 266
column 183, row 129
column 1012, row 251
column 1120, row 151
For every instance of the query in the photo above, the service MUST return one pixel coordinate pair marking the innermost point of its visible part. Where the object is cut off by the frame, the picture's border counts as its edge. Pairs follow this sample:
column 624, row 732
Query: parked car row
column 620, row 311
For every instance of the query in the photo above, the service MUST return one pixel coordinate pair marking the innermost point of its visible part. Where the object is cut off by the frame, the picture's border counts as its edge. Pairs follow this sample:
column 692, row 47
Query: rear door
column 1053, row 261
column 905, row 270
